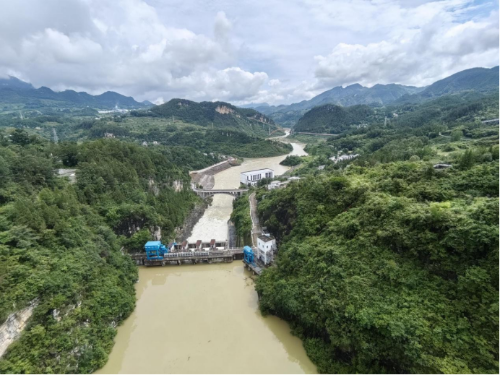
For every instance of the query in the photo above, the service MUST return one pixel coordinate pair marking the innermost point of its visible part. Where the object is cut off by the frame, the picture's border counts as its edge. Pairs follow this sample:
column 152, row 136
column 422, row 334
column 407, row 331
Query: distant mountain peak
column 477, row 79
column 288, row 115
column 15, row 83
column 254, row 105
column 26, row 92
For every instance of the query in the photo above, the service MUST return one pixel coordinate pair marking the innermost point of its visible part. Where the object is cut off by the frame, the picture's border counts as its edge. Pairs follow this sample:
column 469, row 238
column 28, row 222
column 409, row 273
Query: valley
column 386, row 225
column 221, row 315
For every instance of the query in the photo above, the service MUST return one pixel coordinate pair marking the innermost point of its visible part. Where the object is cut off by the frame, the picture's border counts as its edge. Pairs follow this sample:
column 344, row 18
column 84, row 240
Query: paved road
column 488, row 121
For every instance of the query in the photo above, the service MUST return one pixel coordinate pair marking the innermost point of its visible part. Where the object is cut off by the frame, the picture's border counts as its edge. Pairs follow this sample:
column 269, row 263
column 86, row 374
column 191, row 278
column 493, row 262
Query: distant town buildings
column 114, row 110
column 250, row 178
column 281, row 184
column 274, row 185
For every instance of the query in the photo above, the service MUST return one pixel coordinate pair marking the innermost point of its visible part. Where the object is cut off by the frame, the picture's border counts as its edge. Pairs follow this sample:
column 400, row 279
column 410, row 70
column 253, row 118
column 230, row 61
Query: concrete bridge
column 204, row 193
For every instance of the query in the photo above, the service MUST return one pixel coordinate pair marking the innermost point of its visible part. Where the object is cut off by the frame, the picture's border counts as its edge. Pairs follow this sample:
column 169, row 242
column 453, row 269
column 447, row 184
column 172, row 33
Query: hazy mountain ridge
column 13, row 91
column 356, row 94
column 477, row 79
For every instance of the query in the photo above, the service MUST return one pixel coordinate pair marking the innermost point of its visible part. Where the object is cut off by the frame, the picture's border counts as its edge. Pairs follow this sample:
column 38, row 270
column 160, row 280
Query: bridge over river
column 204, row 193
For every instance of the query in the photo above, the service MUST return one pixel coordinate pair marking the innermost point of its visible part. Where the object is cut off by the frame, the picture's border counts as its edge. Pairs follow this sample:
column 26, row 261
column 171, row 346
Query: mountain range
column 477, row 79
column 15, row 91
column 20, row 94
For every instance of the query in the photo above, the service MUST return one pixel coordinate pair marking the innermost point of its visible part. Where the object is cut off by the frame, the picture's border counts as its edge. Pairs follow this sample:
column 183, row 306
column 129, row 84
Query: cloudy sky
column 274, row 51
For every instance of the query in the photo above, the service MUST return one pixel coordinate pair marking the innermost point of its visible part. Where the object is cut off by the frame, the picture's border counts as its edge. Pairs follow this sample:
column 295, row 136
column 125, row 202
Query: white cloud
column 222, row 28
column 439, row 47
column 242, row 51
column 124, row 46
column 227, row 84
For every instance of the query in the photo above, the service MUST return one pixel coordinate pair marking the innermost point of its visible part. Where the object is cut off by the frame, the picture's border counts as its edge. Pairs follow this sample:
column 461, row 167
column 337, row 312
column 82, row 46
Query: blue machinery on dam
column 158, row 254
column 155, row 250
column 250, row 260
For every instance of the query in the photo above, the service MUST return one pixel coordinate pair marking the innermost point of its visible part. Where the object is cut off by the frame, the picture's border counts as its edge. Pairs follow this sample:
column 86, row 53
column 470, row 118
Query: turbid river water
column 205, row 318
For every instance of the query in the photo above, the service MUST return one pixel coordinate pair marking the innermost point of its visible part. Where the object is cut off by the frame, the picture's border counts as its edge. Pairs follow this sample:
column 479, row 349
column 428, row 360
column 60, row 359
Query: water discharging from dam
column 205, row 318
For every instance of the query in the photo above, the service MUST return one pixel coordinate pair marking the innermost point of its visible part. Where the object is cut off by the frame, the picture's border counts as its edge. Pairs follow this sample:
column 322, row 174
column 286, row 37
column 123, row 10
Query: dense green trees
column 387, row 263
column 389, row 269
column 424, row 130
column 291, row 160
column 242, row 220
column 333, row 119
column 225, row 142
column 62, row 245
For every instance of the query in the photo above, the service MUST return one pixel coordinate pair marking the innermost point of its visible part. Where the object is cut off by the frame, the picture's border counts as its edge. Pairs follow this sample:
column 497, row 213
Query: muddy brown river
column 205, row 318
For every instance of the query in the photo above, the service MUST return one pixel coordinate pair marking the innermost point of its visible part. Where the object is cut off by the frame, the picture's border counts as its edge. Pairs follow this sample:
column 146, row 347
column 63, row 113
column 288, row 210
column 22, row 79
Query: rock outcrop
column 15, row 323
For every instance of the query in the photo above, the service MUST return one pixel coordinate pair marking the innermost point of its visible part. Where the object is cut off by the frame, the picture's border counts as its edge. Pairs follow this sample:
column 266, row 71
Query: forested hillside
column 393, row 269
column 334, row 119
column 216, row 115
column 63, row 245
column 182, row 140
column 388, row 263
column 434, row 130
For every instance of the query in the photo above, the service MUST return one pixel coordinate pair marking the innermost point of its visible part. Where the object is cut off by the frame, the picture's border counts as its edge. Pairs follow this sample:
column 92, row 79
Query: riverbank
column 205, row 177
column 206, row 318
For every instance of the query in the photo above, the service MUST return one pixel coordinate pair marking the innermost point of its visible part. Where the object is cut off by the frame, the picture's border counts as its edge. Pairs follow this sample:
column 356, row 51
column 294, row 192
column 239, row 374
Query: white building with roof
column 252, row 177
column 266, row 244
column 274, row 185
column 343, row 157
